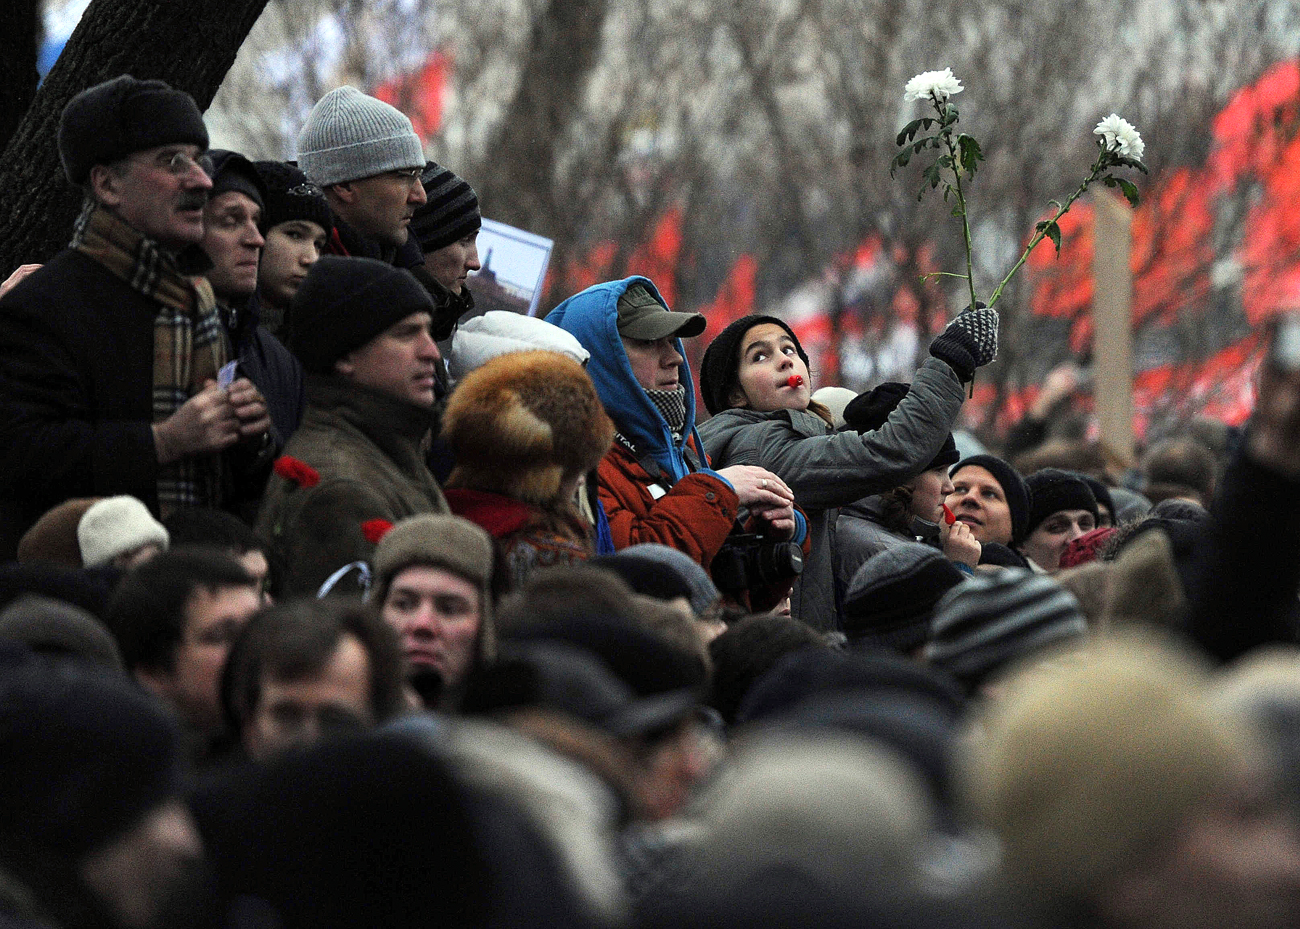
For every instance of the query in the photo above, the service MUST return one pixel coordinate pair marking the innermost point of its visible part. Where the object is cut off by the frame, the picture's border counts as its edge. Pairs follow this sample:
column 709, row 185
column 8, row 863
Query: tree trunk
column 18, row 42
column 191, row 44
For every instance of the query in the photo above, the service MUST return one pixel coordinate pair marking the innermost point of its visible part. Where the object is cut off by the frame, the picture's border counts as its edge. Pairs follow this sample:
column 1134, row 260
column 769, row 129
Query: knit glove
column 969, row 342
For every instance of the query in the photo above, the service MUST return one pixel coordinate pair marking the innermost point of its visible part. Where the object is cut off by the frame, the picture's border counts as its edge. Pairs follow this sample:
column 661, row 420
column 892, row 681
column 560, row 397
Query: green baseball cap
column 641, row 316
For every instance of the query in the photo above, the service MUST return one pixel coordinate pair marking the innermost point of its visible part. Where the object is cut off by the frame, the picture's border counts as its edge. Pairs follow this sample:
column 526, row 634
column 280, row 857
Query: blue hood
column 592, row 318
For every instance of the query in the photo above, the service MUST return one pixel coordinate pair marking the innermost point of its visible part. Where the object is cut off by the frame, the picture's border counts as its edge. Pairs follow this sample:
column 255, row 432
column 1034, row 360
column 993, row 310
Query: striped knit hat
column 995, row 618
column 451, row 212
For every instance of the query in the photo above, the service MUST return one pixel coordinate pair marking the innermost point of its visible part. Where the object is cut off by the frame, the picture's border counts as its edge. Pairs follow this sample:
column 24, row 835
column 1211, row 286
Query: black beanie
column 720, row 370
column 344, row 303
column 232, row 171
column 450, row 212
column 111, row 120
column 289, row 196
column 1052, row 490
column 87, row 754
column 891, row 598
column 867, row 412
column 1013, row 488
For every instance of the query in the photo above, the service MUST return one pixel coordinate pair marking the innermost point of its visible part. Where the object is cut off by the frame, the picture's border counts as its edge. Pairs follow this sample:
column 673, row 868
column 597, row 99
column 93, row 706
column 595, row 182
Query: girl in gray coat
column 755, row 381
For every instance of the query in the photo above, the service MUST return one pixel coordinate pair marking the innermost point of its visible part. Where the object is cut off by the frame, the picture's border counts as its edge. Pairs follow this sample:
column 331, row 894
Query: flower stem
column 961, row 207
column 1097, row 171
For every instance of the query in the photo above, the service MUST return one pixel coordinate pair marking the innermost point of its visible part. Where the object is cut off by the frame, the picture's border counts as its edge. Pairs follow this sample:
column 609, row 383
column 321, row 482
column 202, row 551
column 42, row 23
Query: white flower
column 1121, row 137
column 936, row 85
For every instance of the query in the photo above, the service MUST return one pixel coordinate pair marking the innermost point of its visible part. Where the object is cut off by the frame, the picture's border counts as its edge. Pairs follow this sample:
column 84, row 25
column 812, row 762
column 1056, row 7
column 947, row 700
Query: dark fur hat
column 522, row 423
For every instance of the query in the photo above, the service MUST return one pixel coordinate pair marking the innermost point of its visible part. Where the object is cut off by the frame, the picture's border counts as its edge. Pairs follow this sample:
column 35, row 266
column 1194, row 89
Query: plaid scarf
column 189, row 346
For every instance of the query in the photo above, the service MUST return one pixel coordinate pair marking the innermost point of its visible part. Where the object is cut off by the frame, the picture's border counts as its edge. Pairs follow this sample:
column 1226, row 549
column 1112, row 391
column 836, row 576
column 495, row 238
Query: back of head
column 891, row 598
column 58, row 628
column 523, row 425
column 994, row 619
column 747, row 650
column 500, row 332
column 704, row 594
column 1178, row 467
column 1087, row 766
column 86, row 755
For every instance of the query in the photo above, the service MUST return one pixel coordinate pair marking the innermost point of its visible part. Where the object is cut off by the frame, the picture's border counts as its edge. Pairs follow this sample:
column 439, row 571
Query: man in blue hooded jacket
column 655, row 482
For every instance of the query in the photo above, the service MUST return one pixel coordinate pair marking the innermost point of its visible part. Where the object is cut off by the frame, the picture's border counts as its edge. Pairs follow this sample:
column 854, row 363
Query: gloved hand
column 969, row 342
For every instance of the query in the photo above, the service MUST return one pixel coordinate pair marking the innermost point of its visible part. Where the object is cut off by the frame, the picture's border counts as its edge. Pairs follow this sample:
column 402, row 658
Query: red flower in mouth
column 948, row 516
column 375, row 529
column 301, row 473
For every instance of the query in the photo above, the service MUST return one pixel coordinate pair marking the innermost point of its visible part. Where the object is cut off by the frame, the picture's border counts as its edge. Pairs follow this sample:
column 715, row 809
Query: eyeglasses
column 179, row 163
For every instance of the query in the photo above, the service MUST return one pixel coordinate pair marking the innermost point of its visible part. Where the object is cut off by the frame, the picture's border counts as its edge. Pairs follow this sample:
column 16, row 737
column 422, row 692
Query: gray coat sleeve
column 839, row 468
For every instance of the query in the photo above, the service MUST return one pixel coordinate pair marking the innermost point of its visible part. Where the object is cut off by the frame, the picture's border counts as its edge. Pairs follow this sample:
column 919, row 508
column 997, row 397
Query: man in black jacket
column 114, row 378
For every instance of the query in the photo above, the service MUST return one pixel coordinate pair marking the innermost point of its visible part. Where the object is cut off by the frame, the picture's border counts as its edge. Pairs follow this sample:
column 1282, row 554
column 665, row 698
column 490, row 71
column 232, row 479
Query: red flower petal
column 375, row 529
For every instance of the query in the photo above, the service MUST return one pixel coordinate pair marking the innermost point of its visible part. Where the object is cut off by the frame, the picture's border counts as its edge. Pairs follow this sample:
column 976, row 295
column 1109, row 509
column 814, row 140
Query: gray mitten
column 969, row 342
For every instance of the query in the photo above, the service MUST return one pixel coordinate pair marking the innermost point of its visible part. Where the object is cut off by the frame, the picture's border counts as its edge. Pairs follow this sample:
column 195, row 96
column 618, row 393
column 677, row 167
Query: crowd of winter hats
column 973, row 745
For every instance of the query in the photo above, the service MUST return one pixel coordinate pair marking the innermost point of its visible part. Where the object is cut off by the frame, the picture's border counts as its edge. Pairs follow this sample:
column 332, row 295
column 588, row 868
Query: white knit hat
column 349, row 136
column 499, row 332
column 835, row 399
column 115, row 526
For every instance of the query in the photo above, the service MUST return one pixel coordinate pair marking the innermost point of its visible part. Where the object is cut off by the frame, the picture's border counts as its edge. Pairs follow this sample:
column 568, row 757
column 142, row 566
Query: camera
column 748, row 560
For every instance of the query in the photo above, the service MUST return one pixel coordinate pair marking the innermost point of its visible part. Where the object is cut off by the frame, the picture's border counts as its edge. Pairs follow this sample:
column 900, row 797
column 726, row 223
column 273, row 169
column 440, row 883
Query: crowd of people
column 328, row 601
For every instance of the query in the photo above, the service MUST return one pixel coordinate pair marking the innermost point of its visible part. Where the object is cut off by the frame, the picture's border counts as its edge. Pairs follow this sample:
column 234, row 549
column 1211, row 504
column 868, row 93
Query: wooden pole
column 1112, row 315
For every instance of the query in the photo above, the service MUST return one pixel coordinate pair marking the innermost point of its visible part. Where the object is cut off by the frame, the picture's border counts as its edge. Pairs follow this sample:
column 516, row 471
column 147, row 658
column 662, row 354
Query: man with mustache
column 366, row 157
column 362, row 330
column 114, row 376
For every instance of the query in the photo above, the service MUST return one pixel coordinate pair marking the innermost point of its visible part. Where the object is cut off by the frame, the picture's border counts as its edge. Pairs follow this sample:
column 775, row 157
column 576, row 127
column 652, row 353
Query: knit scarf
column 189, row 346
column 671, row 405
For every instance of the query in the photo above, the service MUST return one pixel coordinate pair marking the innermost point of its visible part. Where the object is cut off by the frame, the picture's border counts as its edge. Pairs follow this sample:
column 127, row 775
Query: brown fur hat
column 523, row 423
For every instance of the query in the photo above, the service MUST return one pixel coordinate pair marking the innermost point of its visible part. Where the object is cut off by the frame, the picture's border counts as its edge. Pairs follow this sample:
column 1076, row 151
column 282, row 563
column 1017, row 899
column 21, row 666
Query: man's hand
column 206, row 423
column 19, row 273
column 249, row 408
column 758, row 488
column 959, row 544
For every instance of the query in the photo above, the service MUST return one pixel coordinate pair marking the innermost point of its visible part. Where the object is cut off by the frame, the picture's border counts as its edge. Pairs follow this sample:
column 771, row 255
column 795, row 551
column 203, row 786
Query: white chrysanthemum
column 1121, row 137
column 937, row 85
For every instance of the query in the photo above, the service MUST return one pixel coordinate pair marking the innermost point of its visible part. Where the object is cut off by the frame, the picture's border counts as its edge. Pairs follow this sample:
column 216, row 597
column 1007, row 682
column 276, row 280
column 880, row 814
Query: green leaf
column 1052, row 231
column 911, row 129
column 1130, row 191
column 970, row 153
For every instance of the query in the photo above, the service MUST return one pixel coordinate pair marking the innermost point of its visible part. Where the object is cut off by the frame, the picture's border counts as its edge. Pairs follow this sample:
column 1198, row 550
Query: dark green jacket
column 364, row 451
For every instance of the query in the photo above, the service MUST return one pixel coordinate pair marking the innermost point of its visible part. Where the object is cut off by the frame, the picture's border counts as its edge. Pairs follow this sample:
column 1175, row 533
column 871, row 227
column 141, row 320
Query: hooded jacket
column 827, row 469
column 684, row 505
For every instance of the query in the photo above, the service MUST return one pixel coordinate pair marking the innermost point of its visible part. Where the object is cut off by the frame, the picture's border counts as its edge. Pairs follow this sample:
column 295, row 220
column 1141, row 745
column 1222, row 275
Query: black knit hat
column 869, row 411
column 1102, row 493
column 289, row 196
column 344, row 303
column 1013, row 486
column 995, row 618
column 720, row 370
column 87, row 754
column 892, row 596
column 1052, row 490
column 111, row 120
column 450, row 212
column 232, row 171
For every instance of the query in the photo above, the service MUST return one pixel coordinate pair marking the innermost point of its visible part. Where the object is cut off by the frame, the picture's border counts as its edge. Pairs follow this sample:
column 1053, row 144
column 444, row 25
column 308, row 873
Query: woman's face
column 772, row 375
column 977, row 500
column 929, row 489
column 1048, row 540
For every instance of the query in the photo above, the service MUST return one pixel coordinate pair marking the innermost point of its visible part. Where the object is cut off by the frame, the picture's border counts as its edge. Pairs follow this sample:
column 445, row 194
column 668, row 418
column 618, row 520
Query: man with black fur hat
column 112, row 351
column 361, row 329
column 233, row 222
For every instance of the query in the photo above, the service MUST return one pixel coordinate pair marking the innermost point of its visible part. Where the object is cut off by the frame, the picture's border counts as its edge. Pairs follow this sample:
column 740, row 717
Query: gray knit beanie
column 349, row 136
